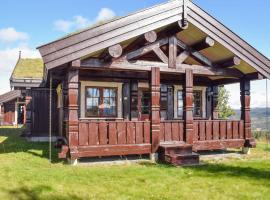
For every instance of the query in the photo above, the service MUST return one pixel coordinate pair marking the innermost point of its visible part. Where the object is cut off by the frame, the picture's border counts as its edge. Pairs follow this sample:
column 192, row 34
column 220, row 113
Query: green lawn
column 25, row 173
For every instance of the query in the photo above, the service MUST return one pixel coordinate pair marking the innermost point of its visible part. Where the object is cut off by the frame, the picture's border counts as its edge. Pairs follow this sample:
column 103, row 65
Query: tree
column 225, row 110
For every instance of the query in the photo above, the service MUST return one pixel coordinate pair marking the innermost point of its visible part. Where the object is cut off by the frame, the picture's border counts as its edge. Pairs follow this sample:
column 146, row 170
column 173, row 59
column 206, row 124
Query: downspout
column 50, row 120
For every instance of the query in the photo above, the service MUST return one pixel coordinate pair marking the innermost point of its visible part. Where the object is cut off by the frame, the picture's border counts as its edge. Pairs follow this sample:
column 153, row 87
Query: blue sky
column 26, row 24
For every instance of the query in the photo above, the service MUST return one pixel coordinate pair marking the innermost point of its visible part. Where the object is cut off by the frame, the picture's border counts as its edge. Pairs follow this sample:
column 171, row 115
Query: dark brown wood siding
column 40, row 112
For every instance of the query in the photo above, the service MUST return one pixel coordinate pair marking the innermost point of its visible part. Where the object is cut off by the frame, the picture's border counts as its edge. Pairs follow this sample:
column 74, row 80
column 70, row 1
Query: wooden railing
column 113, row 133
column 171, row 130
column 205, row 130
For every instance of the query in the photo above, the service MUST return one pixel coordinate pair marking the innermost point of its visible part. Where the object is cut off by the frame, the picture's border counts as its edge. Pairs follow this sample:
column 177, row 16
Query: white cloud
column 105, row 14
column 9, row 35
column 63, row 25
column 79, row 22
column 8, row 59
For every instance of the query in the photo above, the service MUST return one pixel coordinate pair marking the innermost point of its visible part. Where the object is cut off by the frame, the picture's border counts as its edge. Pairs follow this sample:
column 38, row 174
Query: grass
column 25, row 173
column 29, row 68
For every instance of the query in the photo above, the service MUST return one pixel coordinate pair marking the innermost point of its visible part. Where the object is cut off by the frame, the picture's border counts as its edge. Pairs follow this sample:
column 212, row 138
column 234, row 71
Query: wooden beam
column 113, row 150
column 254, row 76
column 172, row 52
column 144, row 50
column 115, row 51
column 146, row 66
column 150, row 36
column 203, row 44
column 197, row 55
column 218, row 144
column 76, row 63
column 161, row 55
column 182, row 57
column 234, row 61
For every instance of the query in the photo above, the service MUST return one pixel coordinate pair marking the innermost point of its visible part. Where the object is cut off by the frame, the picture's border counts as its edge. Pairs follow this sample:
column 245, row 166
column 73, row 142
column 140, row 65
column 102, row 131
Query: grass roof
column 28, row 68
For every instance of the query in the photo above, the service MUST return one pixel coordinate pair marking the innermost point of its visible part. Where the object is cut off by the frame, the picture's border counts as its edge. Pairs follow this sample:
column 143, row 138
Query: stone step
column 182, row 159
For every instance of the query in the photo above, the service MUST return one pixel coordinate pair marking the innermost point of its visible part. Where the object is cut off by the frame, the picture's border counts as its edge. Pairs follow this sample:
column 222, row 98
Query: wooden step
column 166, row 149
column 183, row 159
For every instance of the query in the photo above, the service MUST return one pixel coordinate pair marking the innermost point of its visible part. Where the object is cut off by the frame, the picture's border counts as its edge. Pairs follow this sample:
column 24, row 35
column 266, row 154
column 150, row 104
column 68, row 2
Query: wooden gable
column 174, row 36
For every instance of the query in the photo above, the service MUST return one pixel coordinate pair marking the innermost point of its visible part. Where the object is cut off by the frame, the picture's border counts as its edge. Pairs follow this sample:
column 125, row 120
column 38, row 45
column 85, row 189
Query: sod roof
column 28, row 68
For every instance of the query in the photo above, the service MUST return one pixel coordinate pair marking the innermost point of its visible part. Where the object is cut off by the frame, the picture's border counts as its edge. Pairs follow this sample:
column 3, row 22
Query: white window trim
column 199, row 88
column 117, row 85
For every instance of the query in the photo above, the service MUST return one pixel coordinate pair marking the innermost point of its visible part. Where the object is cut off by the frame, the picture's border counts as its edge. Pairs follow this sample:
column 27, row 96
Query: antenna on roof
column 20, row 54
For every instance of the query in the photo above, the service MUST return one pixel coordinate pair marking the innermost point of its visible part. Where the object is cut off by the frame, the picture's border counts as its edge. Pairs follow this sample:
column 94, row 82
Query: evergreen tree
column 225, row 110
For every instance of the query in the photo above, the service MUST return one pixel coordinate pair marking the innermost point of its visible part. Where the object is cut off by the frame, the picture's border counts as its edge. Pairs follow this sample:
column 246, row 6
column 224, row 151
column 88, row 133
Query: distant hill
column 258, row 117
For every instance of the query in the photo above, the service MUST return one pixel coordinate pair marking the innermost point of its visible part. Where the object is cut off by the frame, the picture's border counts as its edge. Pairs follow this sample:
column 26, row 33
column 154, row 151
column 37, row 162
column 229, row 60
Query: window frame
column 201, row 104
column 102, row 97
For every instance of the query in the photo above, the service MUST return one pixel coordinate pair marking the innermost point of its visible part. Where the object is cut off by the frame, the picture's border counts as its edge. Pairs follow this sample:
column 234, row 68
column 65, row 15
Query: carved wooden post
column 73, row 118
column 245, row 112
column 188, row 106
column 215, row 102
column 28, row 105
column 155, row 108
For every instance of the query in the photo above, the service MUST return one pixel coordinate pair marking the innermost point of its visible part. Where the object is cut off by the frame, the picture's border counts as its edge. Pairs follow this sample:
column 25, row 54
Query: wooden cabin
column 28, row 99
column 148, row 83
column 12, row 109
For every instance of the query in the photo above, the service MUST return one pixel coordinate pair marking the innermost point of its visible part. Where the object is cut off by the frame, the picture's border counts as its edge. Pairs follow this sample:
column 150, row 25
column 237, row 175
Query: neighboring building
column 27, row 74
column 12, row 108
column 147, row 83
column 28, row 101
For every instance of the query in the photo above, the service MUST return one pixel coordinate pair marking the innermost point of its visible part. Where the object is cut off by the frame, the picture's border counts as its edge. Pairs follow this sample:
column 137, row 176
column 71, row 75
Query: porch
column 127, row 133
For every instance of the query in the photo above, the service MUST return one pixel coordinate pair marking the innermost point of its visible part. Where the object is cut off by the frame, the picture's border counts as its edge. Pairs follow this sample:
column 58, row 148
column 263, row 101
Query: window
column 163, row 101
column 197, row 103
column 101, row 102
column 145, row 102
column 180, row 103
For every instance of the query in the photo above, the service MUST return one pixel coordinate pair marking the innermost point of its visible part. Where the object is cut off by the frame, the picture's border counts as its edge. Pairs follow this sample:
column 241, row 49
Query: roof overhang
column 26, row 83
column 92, row 42
column 9, row 96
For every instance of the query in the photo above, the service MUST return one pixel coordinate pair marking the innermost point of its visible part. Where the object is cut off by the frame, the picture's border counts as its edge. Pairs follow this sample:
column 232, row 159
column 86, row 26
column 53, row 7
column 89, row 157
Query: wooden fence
column 171, row 130
column 101, row 138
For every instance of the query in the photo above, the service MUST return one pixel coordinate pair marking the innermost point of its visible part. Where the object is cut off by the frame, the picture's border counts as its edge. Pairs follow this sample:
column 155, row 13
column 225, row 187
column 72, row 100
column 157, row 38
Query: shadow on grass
column 11, row 142
column 227, row 170
column 36, row 193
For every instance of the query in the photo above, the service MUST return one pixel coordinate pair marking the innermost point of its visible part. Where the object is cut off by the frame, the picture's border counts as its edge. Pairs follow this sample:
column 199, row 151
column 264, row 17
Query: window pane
column 180, row 103
column 109, row 92
column 113, row 93
column 92, row 92
column 180, row 112
column 180, row 94
column 92, row 107
column 106, row 92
